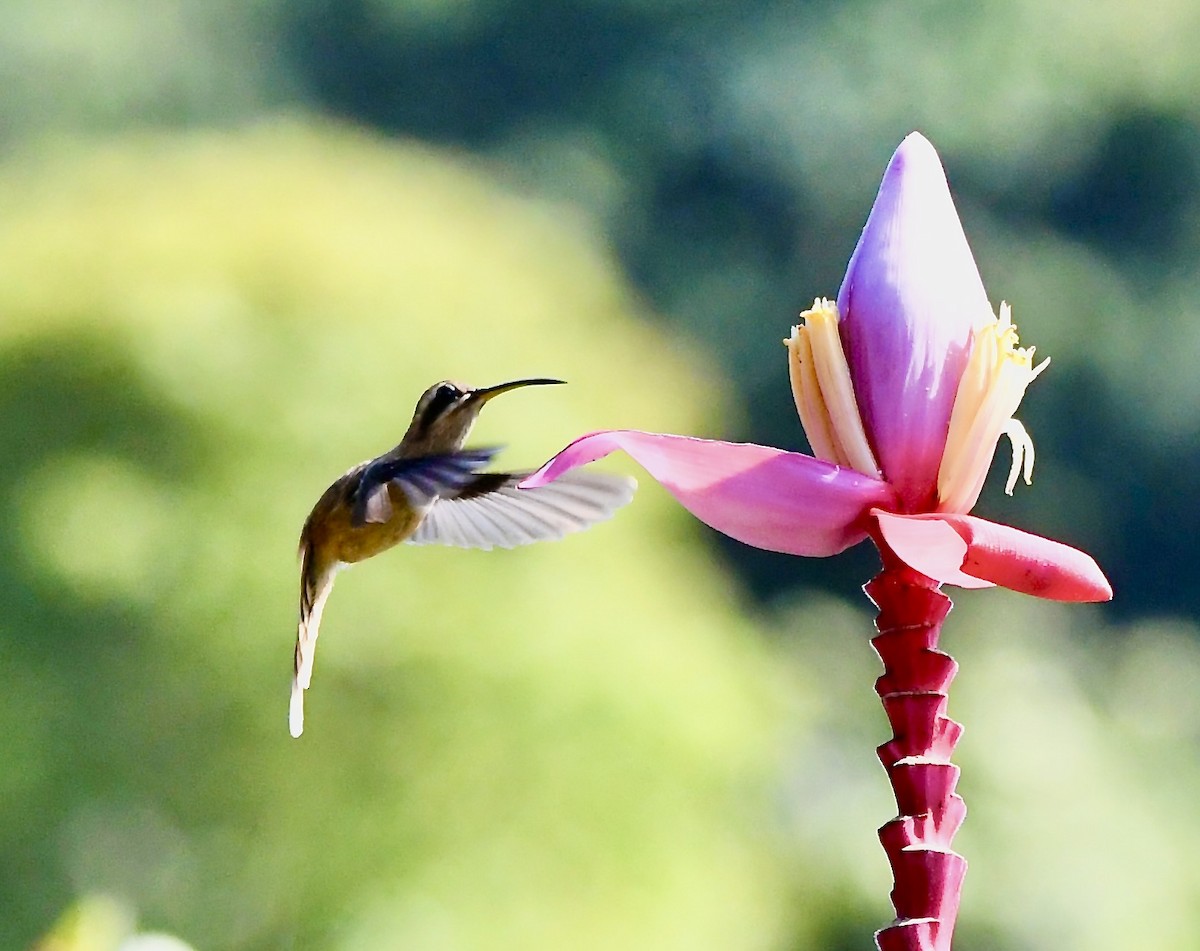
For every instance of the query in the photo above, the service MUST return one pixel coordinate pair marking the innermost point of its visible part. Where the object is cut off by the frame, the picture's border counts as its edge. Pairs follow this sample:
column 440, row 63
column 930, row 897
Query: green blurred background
column 236, row 242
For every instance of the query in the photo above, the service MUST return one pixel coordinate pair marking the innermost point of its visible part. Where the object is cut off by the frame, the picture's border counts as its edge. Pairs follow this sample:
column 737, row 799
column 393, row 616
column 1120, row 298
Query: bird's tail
column 316, row 581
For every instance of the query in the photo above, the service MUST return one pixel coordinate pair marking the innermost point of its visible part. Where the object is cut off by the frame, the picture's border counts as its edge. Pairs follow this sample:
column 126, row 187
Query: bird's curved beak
column 485, row 393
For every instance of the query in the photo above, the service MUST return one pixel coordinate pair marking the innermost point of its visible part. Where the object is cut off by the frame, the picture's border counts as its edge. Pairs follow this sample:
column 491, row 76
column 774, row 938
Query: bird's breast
column 350, row 543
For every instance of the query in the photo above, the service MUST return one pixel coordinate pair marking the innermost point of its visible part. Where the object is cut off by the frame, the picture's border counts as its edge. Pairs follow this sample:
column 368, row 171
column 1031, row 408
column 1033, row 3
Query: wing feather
column 422, row 479
column 492, row 512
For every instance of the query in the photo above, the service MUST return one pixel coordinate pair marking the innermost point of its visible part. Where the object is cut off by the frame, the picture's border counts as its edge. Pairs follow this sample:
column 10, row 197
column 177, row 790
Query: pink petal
column 972, row 552
column 930, row 546
column 910, row 298
column 765, row 497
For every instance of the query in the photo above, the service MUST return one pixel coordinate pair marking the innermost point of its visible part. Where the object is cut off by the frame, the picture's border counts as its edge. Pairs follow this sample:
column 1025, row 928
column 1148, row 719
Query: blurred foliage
column 729, row 152
column 559, row 746
column 101, row 923
column 645, row 736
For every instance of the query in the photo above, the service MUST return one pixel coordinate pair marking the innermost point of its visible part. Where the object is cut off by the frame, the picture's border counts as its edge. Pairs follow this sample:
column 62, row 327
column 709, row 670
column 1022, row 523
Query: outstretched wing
column 491, row 512
column 422, row 479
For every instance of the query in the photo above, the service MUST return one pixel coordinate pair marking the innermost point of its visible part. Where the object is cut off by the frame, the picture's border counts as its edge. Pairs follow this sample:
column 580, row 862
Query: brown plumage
column 428, row 489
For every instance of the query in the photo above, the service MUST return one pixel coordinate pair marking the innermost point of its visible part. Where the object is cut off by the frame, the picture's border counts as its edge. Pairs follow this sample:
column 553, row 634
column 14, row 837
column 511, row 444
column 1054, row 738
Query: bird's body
column 331, row 530
column 428, row 489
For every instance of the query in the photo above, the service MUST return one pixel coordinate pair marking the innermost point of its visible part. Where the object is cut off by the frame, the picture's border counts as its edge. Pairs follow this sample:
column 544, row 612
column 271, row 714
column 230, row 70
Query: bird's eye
column 438, row 401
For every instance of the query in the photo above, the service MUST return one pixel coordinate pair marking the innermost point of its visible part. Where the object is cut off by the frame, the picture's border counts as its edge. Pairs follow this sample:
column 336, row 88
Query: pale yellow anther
column 806, row 391
column 992, row 385
column 1022, row 455
column 824, row 393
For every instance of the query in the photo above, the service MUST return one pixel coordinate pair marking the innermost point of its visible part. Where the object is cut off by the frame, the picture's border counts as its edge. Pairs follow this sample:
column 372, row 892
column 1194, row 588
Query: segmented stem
column 927, row 872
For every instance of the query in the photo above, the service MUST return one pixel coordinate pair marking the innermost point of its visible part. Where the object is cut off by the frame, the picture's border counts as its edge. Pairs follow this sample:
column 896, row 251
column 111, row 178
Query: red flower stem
column 927, row 872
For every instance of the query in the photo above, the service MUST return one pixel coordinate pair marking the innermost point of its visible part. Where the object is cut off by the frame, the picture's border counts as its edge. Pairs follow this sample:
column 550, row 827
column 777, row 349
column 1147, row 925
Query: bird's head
column 446, row 412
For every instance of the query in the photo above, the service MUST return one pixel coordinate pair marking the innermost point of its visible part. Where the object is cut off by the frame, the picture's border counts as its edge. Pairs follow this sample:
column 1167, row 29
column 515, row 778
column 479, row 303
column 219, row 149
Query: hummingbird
column 430, row 490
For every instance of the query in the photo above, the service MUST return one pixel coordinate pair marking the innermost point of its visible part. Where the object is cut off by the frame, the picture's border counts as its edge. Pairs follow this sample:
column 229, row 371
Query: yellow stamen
column 993, row 383
column 823, row 391
column 1022, row 455
column 806, row 391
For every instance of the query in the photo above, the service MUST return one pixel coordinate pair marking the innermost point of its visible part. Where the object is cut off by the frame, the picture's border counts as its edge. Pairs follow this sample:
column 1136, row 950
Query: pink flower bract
column 910, row 308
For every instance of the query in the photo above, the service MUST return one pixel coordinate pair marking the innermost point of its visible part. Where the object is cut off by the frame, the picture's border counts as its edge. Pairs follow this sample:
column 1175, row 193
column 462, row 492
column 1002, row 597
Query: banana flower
column 904, row 385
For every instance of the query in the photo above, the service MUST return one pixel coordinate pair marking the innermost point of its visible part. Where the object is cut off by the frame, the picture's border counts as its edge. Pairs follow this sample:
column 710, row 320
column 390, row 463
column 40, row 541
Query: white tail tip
column 296, row 710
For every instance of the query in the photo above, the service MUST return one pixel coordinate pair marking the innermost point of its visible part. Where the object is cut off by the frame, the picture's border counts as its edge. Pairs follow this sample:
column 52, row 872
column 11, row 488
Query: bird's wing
column 491, row 512
column 422, row 479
